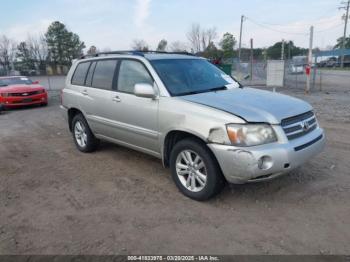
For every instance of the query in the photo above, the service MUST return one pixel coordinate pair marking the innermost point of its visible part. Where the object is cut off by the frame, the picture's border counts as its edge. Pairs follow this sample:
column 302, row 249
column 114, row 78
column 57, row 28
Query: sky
column 114, row 24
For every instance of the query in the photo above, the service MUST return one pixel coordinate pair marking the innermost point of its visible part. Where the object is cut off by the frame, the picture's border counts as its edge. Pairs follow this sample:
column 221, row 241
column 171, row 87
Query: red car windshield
column 15, row 81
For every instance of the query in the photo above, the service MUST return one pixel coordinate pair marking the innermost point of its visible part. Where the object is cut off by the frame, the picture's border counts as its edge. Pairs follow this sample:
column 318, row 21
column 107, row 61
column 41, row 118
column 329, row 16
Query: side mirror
column 36, row 82
column 246, row 77
column 144, row 90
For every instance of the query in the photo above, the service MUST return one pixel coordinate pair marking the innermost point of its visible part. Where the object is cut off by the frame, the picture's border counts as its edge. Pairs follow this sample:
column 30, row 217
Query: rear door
column 96, row 95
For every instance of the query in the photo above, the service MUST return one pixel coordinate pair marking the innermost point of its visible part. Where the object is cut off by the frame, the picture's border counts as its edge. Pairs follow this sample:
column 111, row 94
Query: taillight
column 4, row 94
column 42, row 91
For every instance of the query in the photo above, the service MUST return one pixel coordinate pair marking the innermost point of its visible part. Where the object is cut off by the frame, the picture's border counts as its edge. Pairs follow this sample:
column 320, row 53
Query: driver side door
column 135, row 118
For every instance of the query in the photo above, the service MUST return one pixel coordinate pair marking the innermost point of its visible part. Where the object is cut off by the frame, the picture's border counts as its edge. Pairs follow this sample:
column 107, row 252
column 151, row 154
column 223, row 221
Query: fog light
column 265, row 162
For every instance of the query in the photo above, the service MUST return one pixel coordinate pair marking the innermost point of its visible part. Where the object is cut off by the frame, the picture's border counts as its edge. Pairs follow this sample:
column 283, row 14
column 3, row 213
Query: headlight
column 250, row 134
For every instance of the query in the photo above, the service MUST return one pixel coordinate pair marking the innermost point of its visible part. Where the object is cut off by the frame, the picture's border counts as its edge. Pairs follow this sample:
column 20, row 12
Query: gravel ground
column 56, row 200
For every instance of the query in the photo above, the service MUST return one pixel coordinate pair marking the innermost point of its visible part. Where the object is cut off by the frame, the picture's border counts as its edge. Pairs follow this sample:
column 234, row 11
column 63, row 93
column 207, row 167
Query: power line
column 273, row 29
column 266, row 25
column 330, row 28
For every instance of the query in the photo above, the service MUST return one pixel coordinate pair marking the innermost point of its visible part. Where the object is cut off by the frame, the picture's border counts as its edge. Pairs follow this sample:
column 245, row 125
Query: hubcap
column 80, row 134
column 191, row 170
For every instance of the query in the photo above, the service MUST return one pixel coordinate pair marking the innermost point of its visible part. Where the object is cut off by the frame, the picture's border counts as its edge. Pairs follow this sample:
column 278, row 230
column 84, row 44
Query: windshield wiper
column 217, row 89
column 203, row 91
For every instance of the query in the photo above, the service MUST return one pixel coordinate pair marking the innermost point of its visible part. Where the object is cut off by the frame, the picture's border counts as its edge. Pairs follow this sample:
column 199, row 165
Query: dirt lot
column 55, row 200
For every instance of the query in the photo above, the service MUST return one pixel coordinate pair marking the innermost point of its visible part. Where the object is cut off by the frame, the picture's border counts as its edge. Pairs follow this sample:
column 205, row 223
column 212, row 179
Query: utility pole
column 309, row 61
column 282, row 59
column 289, row 50
column 346, row 7
column 251, row 59
column 239, row 49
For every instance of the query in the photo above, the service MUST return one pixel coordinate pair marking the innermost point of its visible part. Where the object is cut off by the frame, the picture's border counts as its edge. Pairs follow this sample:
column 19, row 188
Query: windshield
column 15, row 81
column 191, row 76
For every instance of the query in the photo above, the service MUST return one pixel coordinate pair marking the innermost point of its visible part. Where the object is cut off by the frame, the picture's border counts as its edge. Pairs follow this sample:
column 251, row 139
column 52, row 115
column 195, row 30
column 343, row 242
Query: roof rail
column 165, row 52
column 134, row 52
column 125, row 52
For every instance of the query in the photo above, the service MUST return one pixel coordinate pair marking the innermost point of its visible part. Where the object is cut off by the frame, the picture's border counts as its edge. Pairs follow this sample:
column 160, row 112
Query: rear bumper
column 241, row 165
column 10, row 102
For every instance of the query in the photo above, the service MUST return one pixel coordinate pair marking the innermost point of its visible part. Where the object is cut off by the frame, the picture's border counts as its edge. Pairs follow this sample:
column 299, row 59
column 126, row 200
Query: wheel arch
column 172, row 137
column 72, row 112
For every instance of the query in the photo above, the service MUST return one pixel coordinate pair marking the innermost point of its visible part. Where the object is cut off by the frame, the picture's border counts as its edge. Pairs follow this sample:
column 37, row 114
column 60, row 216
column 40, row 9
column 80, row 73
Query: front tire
column 84, row 139
column 195, row 170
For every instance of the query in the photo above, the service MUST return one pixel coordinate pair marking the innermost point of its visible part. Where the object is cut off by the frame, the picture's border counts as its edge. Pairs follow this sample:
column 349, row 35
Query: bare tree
column 140, row 45
column 194, row 37
column 208, row 36
column 200, row 38
column 7, row 53
column 178, row 46
column 39, row 51
column 92, row 50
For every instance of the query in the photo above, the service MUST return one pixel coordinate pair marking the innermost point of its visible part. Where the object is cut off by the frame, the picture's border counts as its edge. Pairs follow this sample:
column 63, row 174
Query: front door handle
column 85, row 93
column 116, row 99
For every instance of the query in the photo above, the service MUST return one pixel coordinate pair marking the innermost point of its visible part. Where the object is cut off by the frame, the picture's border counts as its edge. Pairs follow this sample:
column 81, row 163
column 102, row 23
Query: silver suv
column 199, row 121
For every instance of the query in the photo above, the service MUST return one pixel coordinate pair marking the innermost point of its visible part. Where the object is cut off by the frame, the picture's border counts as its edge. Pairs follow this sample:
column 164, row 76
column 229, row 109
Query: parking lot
column 56, row 200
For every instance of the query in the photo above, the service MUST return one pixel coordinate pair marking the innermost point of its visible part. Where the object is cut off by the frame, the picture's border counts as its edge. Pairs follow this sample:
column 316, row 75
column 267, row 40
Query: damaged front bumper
column 245, row 164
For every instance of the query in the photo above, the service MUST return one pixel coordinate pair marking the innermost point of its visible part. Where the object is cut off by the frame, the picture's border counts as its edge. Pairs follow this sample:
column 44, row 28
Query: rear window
column 80, row 74
column 104, row 73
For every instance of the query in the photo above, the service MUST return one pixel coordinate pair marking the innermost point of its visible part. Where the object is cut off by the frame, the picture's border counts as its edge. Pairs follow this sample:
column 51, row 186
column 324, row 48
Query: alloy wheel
column 191, row 170
column 80, row 134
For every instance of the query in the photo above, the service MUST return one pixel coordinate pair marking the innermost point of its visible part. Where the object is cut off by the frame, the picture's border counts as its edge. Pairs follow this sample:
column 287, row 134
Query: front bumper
column 240, row 164
column 10, row 102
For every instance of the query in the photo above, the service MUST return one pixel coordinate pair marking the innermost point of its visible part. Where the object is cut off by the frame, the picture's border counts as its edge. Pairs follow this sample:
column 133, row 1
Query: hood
column 253, row 105
column 20, row 88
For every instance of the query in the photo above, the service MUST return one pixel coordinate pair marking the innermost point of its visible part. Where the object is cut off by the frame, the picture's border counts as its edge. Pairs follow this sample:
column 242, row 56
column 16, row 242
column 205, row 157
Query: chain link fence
column 322, row 78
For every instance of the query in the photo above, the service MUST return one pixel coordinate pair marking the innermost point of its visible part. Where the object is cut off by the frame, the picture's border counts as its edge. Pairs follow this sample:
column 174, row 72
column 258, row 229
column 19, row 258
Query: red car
column 18, row 91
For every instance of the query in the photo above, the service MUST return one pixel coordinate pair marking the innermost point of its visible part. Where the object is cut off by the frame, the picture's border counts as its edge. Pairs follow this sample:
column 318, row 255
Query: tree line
column 206, row 42
column 56, row 49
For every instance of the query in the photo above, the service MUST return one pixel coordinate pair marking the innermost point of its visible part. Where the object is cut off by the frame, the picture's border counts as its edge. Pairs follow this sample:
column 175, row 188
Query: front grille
column 25, row 94
column 299, row 125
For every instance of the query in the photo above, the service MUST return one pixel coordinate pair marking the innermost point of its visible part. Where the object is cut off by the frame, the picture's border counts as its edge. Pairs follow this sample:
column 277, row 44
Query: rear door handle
column 116, row 99
column 85, row 93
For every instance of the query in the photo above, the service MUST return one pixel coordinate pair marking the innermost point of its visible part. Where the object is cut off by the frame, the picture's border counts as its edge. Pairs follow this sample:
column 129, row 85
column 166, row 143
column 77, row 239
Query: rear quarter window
column 80, row 73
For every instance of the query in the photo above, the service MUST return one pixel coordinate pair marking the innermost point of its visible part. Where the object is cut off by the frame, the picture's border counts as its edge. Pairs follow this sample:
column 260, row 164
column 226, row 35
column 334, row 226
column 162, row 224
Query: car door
column 96, row 96
column 136, row 118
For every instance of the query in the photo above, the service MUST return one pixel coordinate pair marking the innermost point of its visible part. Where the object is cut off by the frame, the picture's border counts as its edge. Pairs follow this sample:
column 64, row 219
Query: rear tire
column 83, row 138
column 195, row 170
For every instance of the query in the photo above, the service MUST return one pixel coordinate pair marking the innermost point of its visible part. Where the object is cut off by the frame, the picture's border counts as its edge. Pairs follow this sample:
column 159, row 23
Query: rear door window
column 80, row 74
column 104, row 74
